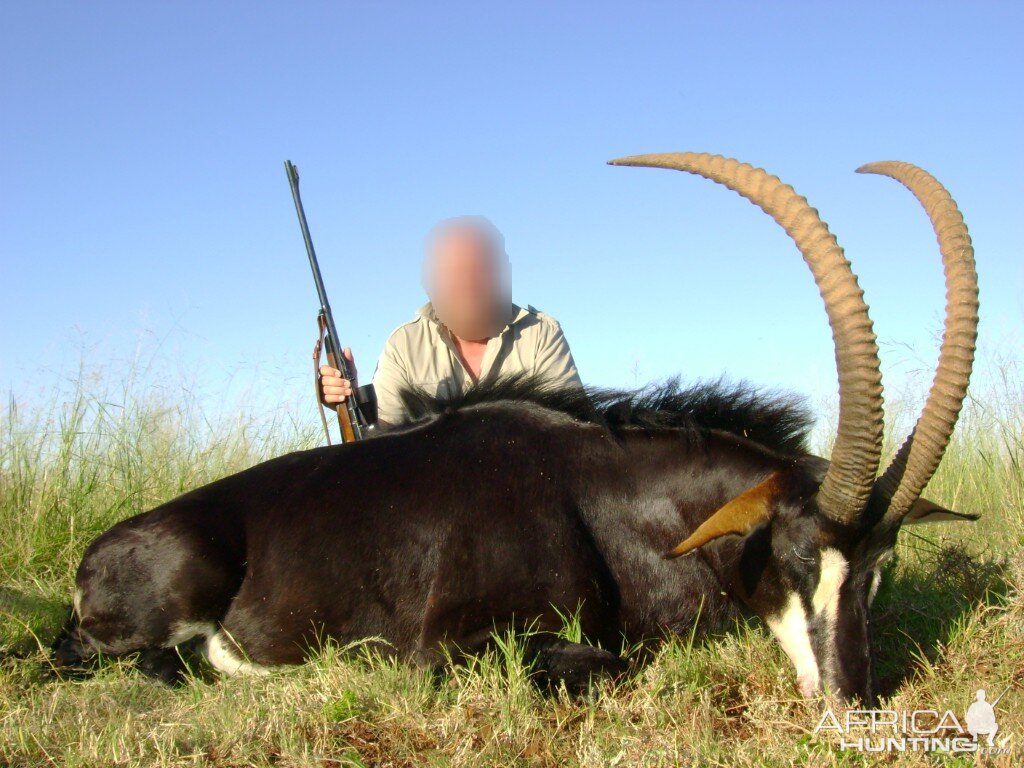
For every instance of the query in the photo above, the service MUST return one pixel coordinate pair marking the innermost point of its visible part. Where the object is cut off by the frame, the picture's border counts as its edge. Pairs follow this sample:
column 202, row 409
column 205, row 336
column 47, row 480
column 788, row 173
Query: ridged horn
column 844, row 492
column 919, row 456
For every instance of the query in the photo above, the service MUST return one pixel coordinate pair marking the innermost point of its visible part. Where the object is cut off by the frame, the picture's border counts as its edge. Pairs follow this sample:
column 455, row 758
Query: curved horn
column 847, row 485
column 919, row 456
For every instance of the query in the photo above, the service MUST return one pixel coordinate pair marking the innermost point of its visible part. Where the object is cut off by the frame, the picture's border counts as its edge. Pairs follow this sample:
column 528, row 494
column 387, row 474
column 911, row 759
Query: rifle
column 1000, row 696
column 360, row 412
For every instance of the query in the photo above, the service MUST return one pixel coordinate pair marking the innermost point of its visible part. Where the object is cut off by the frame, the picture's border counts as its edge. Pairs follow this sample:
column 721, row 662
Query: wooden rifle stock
column 348, row 429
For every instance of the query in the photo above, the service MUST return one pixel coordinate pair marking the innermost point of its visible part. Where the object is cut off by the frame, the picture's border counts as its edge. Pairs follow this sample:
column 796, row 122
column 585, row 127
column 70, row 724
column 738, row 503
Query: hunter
column 468, row 331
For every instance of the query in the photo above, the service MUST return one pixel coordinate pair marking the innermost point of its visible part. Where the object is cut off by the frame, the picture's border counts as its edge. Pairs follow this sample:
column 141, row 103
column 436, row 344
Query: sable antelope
column 516, row 502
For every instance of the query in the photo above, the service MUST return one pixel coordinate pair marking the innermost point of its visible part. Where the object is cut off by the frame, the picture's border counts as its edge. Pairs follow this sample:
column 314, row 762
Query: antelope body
column 566, row 501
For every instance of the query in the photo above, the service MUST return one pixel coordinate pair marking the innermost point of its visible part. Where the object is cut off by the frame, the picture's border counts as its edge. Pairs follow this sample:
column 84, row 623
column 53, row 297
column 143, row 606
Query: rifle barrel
column 332, row 342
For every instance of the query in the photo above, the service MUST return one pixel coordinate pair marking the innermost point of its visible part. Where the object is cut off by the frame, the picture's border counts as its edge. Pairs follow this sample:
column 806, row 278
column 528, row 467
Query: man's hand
column 333, row 388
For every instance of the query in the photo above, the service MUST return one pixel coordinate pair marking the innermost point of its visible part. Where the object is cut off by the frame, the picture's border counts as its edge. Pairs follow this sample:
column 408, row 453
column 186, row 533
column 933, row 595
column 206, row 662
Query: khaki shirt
column 421, row 354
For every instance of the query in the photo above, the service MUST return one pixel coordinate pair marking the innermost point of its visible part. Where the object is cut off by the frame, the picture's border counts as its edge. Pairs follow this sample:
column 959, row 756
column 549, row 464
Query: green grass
column 948, row 619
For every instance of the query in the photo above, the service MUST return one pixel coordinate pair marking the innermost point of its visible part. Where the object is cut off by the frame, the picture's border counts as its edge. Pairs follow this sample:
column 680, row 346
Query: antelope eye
column 805, row 557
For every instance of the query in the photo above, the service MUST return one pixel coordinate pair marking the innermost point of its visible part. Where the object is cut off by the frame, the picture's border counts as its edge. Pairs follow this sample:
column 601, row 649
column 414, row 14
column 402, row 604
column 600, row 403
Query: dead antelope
column 517, row 503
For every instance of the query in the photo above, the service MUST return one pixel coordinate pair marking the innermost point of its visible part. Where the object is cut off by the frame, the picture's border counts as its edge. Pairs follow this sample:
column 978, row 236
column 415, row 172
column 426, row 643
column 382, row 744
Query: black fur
column 506, row 508
column 775, row 419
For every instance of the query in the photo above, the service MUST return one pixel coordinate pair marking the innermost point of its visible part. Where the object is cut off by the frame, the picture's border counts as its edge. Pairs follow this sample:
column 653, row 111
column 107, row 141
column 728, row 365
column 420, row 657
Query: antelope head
column 813, row 538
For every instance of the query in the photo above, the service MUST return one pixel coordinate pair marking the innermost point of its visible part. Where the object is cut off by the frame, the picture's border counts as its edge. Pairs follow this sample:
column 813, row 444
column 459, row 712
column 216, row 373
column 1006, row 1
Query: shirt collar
column 427, row 311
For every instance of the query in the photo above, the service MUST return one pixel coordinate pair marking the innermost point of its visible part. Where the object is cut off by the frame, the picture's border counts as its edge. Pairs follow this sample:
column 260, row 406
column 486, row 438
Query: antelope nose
column 807, row 684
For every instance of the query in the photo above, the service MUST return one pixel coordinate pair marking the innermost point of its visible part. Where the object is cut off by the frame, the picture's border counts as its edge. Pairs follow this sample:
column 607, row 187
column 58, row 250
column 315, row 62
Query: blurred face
column 466, row 281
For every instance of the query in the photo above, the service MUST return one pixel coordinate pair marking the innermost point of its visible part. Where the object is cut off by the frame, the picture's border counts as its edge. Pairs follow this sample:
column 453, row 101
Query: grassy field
column 949, row 619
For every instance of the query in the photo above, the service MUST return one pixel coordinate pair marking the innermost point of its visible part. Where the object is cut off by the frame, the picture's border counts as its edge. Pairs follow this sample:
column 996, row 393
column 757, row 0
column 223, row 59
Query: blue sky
column 146, row 215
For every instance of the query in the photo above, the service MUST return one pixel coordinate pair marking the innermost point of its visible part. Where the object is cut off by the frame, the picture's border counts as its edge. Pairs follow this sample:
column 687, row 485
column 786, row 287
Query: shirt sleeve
column 554, row 360
column 389, row 379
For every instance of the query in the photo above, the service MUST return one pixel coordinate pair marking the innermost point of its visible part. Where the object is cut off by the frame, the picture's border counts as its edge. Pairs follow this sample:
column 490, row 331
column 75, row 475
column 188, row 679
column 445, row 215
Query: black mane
column 778, row 420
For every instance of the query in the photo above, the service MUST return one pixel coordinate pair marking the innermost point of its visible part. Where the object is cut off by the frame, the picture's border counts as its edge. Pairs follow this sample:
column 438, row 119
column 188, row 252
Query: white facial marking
column 186, row 630
column 830, row 579
column 791, row 625
column 876, row 576
column 222, row 654
column 790, row 628
column 825, row 601
column 876, row 580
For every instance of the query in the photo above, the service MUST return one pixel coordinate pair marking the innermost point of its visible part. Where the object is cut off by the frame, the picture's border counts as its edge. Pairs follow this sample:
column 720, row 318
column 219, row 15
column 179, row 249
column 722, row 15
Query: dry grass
column 949, row 619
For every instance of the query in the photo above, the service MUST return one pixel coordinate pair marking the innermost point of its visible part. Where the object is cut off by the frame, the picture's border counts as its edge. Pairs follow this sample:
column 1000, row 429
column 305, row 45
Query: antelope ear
column 741, row 515
column 924, row 511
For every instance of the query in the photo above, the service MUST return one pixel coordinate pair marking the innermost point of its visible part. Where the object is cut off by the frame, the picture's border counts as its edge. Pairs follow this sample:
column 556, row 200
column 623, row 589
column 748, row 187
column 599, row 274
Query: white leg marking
column 186, row 630
column 223, row 655
column 790, row 627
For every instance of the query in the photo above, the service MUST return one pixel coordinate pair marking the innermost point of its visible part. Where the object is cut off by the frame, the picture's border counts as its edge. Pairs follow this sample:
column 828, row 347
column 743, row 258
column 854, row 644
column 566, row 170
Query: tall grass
column 70, row 470
column 948, row 619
